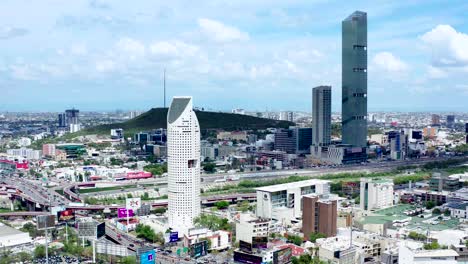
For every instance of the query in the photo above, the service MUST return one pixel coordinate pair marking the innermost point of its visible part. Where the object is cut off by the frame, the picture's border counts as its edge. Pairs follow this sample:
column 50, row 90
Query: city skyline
column 94, row 55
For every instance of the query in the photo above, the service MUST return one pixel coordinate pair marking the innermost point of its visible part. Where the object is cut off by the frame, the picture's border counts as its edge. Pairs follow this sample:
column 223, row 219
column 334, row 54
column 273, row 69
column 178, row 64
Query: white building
column 220, row 239
column 117, row 133
column 286, row 116
column 75, row 128
column 26, row 153
column 283, row 202
column 407, row 255
column 336, row 250
column 376, row 194
column 183, row 159
column 249, row 226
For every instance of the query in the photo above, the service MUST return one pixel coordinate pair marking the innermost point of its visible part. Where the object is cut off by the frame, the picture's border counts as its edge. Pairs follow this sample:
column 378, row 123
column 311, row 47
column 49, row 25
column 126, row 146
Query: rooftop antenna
column 164, row 83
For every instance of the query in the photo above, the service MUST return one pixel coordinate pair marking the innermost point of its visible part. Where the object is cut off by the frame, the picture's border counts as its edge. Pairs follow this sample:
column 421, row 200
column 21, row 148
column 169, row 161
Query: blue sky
column 257, row 55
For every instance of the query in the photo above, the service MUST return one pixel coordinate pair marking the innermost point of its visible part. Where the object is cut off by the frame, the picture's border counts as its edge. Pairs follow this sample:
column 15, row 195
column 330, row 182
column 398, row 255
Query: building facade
column 376, row 194
column 319, row 216
column 354, row 79
column 183, row 159
column 321, row 115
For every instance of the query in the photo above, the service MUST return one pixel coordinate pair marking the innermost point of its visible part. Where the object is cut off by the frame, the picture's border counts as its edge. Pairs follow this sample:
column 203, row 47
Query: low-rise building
column 408, row 255
column 219, row 240
column 248, row 226
column 12, row 238
column 234, row 135
column 336, row 250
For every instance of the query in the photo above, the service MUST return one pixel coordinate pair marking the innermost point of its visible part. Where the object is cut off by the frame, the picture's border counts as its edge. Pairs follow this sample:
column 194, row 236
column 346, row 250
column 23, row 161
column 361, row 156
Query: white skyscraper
column 183, row 159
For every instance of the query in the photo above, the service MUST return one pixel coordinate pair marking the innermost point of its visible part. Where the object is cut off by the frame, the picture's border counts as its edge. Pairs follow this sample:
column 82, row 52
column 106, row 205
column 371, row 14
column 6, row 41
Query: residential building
column 284, row 202
column 376, row 194
column 354, row 80
column 117, row 133
column 27, row 153
column 319, row 216
column 321, row 115
column 408, row 255
column 286, row 116
column 183, row 163
column 48, row 150
column 430, row 132
column 435, row 120
column 248, row 226
column 72, row 117
column 62, row 120
column 380, row 139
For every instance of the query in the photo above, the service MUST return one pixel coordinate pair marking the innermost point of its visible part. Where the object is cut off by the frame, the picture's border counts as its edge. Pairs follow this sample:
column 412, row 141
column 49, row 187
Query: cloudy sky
column 252, row 54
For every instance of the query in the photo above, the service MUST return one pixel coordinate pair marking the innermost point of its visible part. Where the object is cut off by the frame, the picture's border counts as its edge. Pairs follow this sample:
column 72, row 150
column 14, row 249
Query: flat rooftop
column 7, row 231
column 291, row 185
column 436, row 253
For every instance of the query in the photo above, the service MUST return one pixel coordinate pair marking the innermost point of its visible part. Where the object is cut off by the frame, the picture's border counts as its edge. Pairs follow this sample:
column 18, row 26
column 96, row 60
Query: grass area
column 60, row 191
column 5, row 210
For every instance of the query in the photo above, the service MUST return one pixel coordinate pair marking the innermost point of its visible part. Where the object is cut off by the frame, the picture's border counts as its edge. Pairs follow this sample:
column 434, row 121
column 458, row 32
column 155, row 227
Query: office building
column 72, row 116
column 303, row 139
column 62, row 120
column 435, row 120
column 183, row 164
column 466, row 132
column 439, row 183
column 450, row 121
column 319, row 216
column 285, row 140
column 354, row 80
column 376, row 194
column 340, row 154
column 283, row 202
column 398, row 144
column 321, row 115
column 27, row 153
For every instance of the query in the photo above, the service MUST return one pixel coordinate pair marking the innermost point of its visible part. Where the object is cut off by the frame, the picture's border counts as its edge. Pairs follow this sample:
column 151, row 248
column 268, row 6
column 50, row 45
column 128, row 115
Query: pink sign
column 122, row 213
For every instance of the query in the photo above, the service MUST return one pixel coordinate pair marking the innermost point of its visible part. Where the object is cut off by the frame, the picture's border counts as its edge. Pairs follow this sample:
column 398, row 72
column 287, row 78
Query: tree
column 447, row 212
column 431, row 246
column 314, row 236
column 296, row 240
column 222, row 205
column 129, row 260
column 24, row 256
column 209, row 167
column 39, row 251
column 430, row 205
column 436, row 211
column 212, row 222
column 416, row 236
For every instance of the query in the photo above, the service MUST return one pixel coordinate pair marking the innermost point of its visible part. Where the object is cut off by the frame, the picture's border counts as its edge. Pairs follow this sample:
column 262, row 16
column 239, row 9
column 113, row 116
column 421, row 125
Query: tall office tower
column 450, row 121
column 72, row 116
column 354, row 79
column 435, row 120
column 62, row 121
column 321, row 115
column 466, row 132
column 183, row 159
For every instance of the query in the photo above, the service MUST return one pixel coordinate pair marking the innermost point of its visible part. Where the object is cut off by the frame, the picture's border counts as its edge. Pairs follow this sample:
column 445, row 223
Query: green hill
column 156, row 118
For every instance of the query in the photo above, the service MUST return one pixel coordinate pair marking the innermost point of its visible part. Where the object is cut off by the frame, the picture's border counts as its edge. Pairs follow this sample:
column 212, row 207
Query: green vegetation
column 209, row 167
column 296, row 240
column 314, row 236
column 307, row 259
column 147, row 233
column 156, row 118
column 462, row 149
column 39, row 251
column 212, row 222
column 413, row 178
column 31, row 229
column 416, row 236
column 156, row 169
column 222, row 205
column 431, row 246
column 443, row 164
column 430, row 205
column 243, row 206
column 436, row 211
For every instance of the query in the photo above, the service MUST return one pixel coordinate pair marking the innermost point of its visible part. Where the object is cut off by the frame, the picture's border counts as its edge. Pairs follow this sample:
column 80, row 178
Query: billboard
column 91, row 229
column 145, row 209
column 260, row 242
column 45, row 221
column 199, row 249
column 111, row 249
column 245, row 246
column 246, row 258
column 122, row 213
column 65, row 215
column 282, row 256
column 416, row 134
column 133, row 203
column 173, row 236
column 148, row 257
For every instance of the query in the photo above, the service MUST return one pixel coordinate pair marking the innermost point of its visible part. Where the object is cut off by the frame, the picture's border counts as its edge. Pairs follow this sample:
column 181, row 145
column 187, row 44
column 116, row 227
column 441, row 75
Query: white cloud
column 220, row 32
column 12, row 32
column 436, row 73
column 106, row 66
column 78, row 49
column 386, row 61
column 449, row 47
column 130, row 47
column 172, row 49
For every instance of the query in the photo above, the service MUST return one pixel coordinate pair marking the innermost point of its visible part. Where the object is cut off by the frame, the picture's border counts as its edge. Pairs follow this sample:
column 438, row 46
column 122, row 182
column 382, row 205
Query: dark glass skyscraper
column 354, row 79
column 321, row 115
